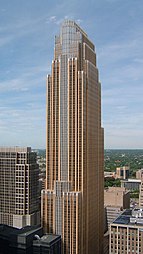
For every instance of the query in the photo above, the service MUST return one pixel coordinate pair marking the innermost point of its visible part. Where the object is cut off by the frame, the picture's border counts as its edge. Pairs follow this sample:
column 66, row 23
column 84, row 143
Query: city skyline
column 27, row 32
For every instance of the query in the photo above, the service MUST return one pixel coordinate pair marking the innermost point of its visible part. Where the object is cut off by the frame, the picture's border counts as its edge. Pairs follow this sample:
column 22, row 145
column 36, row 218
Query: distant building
column 131, row 184
column 116, row 199
column 109, row 174
column 122, row 172
column 19, row 192
column 141, row 195
column 126, row 233
column 139, row 174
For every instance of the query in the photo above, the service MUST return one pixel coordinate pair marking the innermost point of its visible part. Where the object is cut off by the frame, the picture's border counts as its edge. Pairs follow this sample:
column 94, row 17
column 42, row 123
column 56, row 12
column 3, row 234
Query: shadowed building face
column 72, row 204
column 19, row 192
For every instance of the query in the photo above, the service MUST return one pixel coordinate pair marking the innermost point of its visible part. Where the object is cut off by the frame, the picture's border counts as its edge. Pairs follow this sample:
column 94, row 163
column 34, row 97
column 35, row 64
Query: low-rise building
column 139, row 174
column 116, row 199
column 131, row 184
column 126, row 233
column 122, row 172
column 109, row 174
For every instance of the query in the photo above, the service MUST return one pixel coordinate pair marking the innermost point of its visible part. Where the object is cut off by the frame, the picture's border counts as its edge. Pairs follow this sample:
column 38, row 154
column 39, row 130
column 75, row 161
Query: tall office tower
column 72, row 203
column 19, row 192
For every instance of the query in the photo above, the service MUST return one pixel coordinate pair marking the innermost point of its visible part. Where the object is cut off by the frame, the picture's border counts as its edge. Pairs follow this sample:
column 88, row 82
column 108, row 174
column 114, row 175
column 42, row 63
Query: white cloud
column 28, row 38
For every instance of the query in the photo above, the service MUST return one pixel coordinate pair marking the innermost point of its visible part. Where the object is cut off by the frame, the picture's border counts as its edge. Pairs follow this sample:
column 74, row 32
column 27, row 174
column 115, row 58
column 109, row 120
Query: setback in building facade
column 73, row 201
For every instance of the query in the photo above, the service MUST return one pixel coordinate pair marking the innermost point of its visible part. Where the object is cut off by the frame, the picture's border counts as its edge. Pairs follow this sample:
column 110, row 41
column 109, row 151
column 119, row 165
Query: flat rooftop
column 46, row 240
column 130, row 217
column 15, row 149
column 6, row 230
column 116, row 190
column 132, row 180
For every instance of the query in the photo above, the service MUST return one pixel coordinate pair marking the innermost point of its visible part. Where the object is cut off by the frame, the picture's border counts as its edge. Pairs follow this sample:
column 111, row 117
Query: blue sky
column 27, row 30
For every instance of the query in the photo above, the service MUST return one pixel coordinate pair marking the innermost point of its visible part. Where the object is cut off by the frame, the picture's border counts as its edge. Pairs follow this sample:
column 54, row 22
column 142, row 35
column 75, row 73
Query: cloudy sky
column 27, row 30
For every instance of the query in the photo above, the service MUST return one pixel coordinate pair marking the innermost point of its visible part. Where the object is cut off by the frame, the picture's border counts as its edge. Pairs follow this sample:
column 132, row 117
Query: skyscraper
column 72, row 203
column 19, row 193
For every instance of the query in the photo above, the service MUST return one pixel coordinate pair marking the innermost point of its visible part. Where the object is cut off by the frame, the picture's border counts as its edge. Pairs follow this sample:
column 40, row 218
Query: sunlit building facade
column 73, row 201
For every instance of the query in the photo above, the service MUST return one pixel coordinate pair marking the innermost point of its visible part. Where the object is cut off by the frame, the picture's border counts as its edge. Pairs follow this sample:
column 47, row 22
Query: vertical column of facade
column 80, row 126
column 77, row 138
column 82, row 155
column 33, row 169
column 141, row 194
column 64, row 117
column 100, row 168
column 7, row 186
column 19, row 189
column 51, row 127
column 48, row 211
column 53, row 122
column 48, row 133
column 140, row 240
column 52, row 172
column 93, row 163
column 72, row 223
column 55, row 126
column 52, row 154
column 72, row 124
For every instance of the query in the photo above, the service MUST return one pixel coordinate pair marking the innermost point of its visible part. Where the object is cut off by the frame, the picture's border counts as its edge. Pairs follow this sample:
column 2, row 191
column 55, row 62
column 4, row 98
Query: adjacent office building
column 122, row 172
column 126, row 233
column 116, row 199
column 73, row 201
column 117, row 196
column 19, row 192
column 131, row 184
column 139, row 174
column 141, row 195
